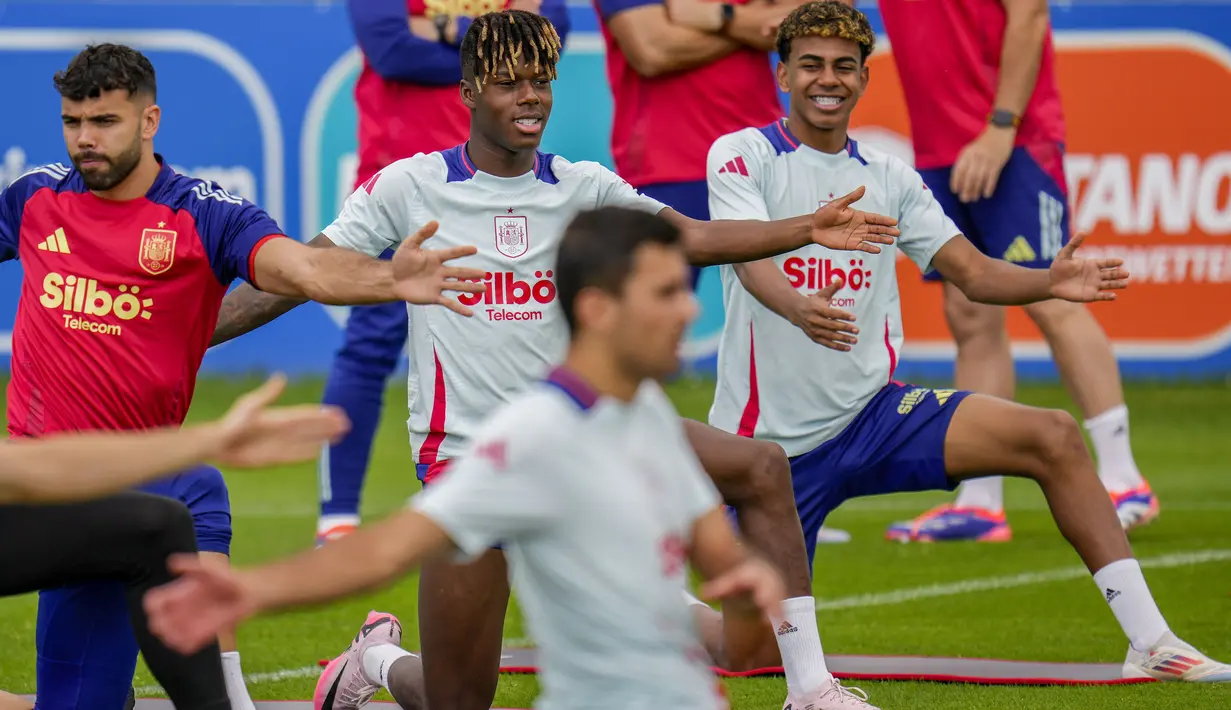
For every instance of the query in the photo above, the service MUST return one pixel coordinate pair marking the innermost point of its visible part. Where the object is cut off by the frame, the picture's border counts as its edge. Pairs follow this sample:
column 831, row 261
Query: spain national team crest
column 157, row 250
column 512, row 237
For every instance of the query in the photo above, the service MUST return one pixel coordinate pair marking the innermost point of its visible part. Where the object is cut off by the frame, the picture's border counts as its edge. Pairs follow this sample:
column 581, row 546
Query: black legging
column 127, row 538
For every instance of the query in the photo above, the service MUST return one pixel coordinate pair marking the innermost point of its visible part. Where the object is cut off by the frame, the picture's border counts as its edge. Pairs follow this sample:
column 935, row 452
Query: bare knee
column 766, row 475
column 1051, row 315
column 1056, row 446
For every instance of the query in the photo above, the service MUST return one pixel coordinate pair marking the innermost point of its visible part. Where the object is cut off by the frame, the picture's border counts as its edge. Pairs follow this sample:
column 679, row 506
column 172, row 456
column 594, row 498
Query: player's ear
column 595, row 310
column 781, row 73
column 151, row 116
column 467, row 91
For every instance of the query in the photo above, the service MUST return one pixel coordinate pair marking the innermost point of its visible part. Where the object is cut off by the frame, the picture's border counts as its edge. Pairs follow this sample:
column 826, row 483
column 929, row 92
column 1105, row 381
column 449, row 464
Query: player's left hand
column 837, row 225
column 188, row 613
column 754, row 578
column 421, row 275
column 1085, row 280
column 253, row 433
column 978, row 166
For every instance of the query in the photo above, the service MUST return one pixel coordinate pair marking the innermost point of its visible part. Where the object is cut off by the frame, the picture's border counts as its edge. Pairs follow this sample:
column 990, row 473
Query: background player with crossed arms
column 498, row 183
column 124, row 265
column 849, row 428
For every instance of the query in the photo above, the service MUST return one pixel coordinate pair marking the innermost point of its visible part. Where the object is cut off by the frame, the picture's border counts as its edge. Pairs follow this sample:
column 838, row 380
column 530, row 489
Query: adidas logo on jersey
column 1020, row 251
column 56, row 243
column 736, row 166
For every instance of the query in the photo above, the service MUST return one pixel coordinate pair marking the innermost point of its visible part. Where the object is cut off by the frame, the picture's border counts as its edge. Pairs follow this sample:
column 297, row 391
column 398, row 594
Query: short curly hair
column 826, row 19
column 106, row 67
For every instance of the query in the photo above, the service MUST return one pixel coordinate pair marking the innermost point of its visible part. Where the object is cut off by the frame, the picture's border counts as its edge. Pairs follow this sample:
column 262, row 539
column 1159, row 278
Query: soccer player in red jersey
column 979, row 78
column 702, row 66
column 408, row 103
column 125, row 263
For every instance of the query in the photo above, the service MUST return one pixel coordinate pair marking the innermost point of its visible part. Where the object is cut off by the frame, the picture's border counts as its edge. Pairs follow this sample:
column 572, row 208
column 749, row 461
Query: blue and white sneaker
column 948, row 523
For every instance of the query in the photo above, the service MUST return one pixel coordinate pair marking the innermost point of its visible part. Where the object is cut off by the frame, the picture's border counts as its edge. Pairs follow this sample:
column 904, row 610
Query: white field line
column 899, row 596
column 1025, row 579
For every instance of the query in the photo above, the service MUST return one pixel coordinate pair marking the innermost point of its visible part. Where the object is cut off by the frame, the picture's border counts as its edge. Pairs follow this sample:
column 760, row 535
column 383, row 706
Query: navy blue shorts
column 895, row 445
column 1025, row 221
column 83, row 638
column 691, row 199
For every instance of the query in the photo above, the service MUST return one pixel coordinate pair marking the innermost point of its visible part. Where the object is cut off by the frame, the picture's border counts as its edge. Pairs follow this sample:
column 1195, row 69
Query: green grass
column 1182, row 443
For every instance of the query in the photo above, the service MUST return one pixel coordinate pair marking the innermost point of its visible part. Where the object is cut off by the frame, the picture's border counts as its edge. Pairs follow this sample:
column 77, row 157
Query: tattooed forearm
column 245, row 309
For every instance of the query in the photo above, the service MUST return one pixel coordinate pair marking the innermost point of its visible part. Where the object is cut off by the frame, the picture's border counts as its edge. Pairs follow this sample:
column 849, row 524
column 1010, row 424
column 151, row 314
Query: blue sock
column 375, row 338
column 87, row 653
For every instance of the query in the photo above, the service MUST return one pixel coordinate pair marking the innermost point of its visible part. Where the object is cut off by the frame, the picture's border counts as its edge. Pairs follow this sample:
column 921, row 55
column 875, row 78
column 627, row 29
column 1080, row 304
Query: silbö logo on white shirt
column 505, row 289
column 813, row 274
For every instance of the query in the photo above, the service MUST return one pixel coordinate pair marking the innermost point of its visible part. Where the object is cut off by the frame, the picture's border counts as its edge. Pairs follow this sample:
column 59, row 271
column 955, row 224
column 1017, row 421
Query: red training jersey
column 663, row 127
column 948, row 57
column 118, row 299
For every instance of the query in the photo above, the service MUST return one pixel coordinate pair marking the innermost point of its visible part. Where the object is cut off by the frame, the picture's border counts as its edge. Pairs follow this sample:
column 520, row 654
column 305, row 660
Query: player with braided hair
column 499, row 183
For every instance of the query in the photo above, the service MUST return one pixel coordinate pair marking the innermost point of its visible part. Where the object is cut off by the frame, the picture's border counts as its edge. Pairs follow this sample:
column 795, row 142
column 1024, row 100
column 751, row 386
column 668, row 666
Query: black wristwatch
column 728, row 16
column 1004, row 119
column 442, row 27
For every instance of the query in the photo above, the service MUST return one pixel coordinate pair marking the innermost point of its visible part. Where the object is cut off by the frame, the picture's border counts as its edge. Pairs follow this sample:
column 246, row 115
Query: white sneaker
column 831, row 696
column 832, row 536
column 1173, row 659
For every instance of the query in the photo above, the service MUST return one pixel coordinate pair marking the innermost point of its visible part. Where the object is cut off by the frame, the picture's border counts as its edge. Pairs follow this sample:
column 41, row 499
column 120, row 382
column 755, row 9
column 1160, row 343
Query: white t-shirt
column 462, row 369
column 774, row 383
column 594, row 502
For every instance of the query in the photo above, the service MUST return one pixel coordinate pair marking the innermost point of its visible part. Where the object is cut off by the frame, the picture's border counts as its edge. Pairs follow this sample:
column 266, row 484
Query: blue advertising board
column 257, row 96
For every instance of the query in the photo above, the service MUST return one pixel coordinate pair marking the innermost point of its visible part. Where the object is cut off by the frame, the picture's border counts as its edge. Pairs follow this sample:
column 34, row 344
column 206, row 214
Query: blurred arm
column 654, row 45
column 383, row 32
column 72, row 467
column 715, row 551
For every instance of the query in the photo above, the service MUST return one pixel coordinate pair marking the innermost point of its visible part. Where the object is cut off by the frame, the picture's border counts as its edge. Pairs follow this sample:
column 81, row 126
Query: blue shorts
column 83, row 637
column 691, row 199
column 1025, row 221
column 896, row 444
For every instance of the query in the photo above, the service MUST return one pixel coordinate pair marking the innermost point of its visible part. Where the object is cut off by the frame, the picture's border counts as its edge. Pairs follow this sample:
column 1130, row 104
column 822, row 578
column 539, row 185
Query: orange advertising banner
column 1148, row 167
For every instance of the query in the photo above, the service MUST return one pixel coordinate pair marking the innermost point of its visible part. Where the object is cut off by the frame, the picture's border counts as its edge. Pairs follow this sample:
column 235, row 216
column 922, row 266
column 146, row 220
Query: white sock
column 986, row 493
column 799, row 640
column 237, row 691
column 1116, row 466
column 377, row 661
column 1123, row 586
column 325, row 522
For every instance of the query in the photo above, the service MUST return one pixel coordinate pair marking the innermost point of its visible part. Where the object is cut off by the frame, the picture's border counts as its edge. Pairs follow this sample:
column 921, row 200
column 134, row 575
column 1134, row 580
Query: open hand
column 837, row 225
column 421, row 275
column 188, row 613
column 755, row 578
column 978, row 166
column 1085, row 280
column 831, row 327
column 254, row 433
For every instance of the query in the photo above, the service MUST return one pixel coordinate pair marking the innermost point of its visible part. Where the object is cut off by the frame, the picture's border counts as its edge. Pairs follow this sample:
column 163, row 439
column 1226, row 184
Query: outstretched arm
column 54, row 470
column 836, row 225
column 986, row 280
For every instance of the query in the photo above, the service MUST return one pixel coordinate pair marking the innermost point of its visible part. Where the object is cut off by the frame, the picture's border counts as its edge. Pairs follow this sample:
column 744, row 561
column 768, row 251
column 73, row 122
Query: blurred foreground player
column 850, row 429
column 590, row 464
column 407, row 102
column 979, row 79
column 499, row 183
column 56, row 527
column 125, row 264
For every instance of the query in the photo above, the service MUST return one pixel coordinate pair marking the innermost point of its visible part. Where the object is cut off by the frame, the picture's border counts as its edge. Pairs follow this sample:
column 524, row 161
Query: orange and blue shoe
column 330, row 533
column 343, row 685
column 948, row 523
column 1136, row 507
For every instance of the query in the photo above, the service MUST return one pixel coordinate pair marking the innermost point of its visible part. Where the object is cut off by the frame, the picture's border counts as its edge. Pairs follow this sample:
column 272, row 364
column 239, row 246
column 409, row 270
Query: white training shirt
column 774, row 383
column 594, row 502
column 462, row 369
